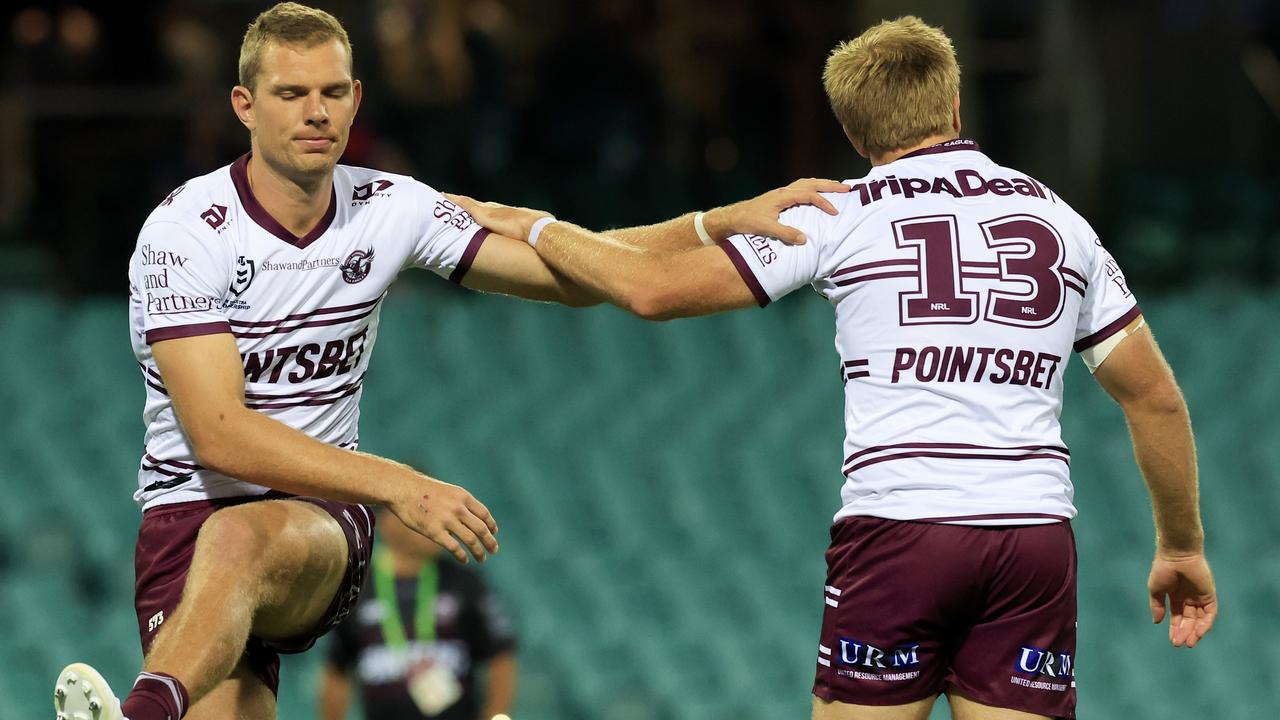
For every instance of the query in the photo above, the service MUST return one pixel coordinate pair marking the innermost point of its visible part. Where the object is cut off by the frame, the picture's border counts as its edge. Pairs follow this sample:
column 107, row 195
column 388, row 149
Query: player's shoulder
column 816, row 222
column 197, row 205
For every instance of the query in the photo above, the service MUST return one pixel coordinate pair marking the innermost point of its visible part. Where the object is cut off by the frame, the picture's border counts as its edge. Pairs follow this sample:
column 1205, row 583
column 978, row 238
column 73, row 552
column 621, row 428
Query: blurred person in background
column 417, row 642
column 959, row 289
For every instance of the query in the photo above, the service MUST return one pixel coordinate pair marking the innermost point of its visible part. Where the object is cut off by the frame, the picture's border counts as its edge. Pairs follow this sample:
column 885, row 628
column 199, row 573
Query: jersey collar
column 240, row 178
column 948, row 146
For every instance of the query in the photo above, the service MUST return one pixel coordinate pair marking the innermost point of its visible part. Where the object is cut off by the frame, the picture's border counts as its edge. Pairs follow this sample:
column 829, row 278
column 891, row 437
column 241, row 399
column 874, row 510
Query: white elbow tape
column 536, row 230
column 1094, row 356
column 701, row 229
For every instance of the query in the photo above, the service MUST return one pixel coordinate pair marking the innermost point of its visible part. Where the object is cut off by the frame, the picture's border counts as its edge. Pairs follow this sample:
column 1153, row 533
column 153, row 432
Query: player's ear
column 357, row 92
column 242, row 104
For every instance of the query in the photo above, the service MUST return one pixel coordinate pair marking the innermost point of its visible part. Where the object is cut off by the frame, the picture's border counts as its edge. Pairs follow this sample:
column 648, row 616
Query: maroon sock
column 156, row 696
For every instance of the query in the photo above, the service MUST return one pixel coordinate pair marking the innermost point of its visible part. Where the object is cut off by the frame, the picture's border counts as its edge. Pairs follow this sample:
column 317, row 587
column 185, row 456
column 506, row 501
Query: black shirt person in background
column 417, row 657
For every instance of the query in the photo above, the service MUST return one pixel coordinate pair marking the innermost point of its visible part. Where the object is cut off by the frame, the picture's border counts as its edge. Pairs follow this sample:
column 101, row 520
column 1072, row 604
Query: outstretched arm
column 1136, row 375
column 651, row 279
column 719, row 223
column 511, row 267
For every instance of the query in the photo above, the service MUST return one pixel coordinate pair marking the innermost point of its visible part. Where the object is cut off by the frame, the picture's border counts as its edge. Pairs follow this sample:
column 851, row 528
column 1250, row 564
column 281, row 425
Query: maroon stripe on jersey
column 155, row 386
column 992, row 266
column 175, row 463
column 305, row 315
column 860, row 361
column 981, row 275
column 1084, row 282
column 948, row 146
column 240, row 178
column 1073, row 286
column 299, row 326
column 880, row 263
column 468, row 256
column 181, row 331
column 163, row 471
column 951, row 446
column 1112, row 328
column 303, row 403
column 856, row 375
column 748, row 276
column 879, row 276
column 303, row 393
column 993, row 516
column 956, row 456
column 151, row 372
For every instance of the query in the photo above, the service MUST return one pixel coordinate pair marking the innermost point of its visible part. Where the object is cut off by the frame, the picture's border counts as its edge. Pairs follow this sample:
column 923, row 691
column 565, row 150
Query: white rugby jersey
column 960, row 288
column 304, row 311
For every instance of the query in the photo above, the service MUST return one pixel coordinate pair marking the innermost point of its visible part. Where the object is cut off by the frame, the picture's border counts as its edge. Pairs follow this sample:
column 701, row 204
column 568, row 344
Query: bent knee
column 270, row 537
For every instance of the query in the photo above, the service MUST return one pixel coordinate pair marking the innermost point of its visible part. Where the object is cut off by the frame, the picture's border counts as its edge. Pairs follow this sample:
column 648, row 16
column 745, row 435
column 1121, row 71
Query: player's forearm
column 254, row 448
column 1166, row 454
column 675, row 234
column 500, row 694
column 619, row 272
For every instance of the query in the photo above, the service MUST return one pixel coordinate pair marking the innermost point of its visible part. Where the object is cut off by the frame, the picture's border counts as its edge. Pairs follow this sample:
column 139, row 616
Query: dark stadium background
column 664, row 490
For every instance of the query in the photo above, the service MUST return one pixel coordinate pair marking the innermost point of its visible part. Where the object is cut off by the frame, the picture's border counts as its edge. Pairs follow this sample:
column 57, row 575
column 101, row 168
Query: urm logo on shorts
column 853, row 652
column 1038, row 661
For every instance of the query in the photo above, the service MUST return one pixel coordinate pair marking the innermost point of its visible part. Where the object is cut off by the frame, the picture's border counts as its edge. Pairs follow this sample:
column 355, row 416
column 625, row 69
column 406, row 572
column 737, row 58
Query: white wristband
column 701, row 229
column 536, row 230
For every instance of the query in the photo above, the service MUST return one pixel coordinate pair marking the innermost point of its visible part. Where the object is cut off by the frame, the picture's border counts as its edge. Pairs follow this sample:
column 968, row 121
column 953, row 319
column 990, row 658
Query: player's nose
column 317, row 113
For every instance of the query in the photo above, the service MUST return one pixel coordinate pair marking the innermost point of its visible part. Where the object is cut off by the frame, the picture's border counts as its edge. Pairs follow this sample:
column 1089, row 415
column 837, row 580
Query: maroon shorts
column 913, row 608
column 167, row 542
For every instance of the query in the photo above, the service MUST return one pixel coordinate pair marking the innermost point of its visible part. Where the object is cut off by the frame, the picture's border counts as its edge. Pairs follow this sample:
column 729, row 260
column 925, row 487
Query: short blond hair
column 289, row 23
column 893, row 85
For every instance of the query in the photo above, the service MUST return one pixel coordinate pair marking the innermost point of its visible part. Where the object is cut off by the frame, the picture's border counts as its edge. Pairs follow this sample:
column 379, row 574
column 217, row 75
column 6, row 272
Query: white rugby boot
column 82, row 694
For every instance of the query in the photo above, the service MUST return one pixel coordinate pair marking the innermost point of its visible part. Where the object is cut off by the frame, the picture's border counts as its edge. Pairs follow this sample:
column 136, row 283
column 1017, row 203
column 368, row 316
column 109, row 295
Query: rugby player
column 960, row 288
column 255, row 292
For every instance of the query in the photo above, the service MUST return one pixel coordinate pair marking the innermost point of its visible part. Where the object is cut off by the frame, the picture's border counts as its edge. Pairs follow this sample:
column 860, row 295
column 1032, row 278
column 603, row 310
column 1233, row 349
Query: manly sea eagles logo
column 245, row 271
column 356, row 267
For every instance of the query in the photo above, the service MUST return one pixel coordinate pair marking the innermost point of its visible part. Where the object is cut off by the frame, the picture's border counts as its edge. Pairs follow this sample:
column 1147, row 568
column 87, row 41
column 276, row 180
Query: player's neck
column 892, row 155
column 298, row 207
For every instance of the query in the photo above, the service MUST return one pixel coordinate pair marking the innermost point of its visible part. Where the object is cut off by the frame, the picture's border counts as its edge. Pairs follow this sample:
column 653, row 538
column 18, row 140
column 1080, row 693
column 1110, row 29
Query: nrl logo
column 245, row 271
column 356, row 267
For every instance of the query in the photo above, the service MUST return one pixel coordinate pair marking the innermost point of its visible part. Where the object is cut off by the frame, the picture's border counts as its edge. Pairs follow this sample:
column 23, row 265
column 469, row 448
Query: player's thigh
column 290, row 553
column 831, row 710
column 242, row 696
column 962, row 708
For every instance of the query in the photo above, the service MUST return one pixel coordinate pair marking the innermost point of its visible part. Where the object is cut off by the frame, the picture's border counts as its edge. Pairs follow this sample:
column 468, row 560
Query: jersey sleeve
column 181, row 280
column 772, row 268
column 1108, row 304
column 447, row 238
